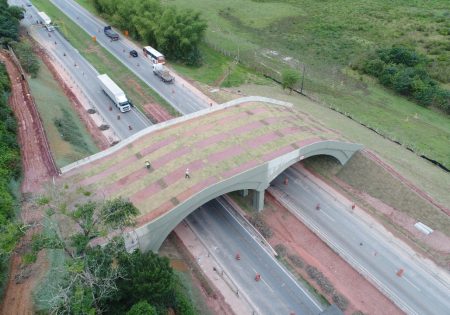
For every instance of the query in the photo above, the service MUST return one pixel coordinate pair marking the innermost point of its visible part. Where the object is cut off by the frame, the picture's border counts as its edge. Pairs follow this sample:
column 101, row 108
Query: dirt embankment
column 361, row 294
column 38, row 168
column 38, row 163
column 99, row 138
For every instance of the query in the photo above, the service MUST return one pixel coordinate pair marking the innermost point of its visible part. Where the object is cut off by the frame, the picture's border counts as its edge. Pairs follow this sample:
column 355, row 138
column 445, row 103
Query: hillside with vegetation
column 330, row 39
column 10, row 163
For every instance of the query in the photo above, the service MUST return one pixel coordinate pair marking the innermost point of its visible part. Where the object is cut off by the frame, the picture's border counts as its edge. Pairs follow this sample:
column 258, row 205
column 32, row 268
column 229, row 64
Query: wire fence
column 269, row 63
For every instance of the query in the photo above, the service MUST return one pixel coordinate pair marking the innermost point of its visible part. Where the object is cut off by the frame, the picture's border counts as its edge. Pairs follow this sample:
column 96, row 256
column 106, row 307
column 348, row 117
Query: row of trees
column 177, row 34
column 405, row 71
column 107, row 279
column 9, row 22
column 10, row 166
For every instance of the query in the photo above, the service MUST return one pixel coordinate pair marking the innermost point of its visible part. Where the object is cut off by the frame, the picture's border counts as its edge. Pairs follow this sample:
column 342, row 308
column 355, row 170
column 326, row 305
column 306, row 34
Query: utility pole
column 303, row 79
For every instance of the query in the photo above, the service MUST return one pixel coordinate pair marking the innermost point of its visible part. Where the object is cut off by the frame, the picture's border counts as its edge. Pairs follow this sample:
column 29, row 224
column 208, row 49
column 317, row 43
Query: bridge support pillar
column 243, row 192
column 258, row 200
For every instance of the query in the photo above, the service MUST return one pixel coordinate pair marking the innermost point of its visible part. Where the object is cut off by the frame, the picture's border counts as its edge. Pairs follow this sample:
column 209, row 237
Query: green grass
column 138, row 92
column 53, row 104
column 322, row 37
column 421, row 173
column 365, row 175
column 305, row 283
column 192, row 292
column 219, row 70
column 362, row 174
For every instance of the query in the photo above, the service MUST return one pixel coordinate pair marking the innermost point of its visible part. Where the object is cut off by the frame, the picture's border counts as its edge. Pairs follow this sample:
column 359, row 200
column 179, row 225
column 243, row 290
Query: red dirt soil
column 38, row 167
column 312, row 250
column 38, row 163
column 157, row 112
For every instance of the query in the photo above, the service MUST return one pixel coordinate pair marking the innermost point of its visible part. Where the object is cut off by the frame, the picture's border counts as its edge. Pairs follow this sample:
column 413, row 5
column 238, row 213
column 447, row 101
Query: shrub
column 297, row 261
column 142, row 308
column 312, row 271
column 281, row 250
column 69, row 131
column 289, row 78
column 405, row 71
column 324, row 283
column 27, row 58
column 261, row 226
column 341, row 301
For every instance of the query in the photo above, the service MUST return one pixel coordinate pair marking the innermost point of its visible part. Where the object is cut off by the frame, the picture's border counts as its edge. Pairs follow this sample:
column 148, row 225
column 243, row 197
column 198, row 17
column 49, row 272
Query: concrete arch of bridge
column 151, row 235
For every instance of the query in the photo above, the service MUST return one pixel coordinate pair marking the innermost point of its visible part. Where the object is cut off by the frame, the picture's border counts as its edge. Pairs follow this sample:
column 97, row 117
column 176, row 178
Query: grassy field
column 219, row 70
column 53, row 104
column 102, row 60
column 286, row 33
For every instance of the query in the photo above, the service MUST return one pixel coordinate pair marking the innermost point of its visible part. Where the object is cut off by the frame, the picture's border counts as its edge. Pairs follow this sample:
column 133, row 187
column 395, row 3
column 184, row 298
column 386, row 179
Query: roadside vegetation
column 175, row 32
column 329, row 39
column 10, row 162
column 27, row 58
column 93, row 279
column 68, row 138
column 138, row 92
column 406, row 71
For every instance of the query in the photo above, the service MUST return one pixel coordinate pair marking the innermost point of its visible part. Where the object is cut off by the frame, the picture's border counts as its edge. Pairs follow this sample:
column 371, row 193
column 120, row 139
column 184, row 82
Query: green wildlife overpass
column 240, row 145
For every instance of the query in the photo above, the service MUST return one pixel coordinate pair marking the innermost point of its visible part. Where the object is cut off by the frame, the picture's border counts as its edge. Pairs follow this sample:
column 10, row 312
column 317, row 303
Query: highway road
column 277, row 293
column 224, row 236
column 417, row 291
column 83, row 74
column 179, row 96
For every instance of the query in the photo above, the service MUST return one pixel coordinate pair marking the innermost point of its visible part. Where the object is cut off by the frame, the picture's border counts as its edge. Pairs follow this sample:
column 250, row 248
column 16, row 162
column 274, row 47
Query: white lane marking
column 302, row 216
column 124, row 62
column 271, row 290
column 327, row 215
column 319, row 307
column 406, row 279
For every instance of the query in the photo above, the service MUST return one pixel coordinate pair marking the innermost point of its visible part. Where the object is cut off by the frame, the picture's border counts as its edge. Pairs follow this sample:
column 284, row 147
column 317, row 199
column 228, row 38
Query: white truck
column 45, row 19
column 115, row 93
column 163, row 73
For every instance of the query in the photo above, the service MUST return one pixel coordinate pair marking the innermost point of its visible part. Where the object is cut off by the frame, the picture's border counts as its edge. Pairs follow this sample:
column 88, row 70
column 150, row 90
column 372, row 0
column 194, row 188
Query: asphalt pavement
column 84, row 76
column 417, row 291
column 378, row 256
column 277, row 292
column 178, row 95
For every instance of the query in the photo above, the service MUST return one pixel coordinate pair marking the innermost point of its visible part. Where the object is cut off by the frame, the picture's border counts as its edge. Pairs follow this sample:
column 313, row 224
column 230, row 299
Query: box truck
column 115, row 93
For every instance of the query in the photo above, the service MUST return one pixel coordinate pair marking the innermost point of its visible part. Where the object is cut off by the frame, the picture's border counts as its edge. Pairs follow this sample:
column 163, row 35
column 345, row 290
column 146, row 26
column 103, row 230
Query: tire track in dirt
column 38, row 167
column 37, row 160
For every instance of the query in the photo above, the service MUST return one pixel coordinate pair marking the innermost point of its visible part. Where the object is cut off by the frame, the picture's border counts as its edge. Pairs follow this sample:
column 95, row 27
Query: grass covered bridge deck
column 215, row 146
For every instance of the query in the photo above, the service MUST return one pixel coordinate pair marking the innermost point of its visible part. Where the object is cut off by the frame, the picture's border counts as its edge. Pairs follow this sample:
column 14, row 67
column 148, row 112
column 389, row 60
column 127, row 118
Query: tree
column 27, row 58
column 16, row 12
column 289, row 78
column 146, row 277
column 9, row 22
column 90, row 275
column 142, row 308
column 175, row 33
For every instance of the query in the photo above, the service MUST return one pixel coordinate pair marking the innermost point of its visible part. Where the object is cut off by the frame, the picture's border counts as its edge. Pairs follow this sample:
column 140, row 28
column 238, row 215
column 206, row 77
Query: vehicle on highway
column 162, row 72
column 115, row 93
column 110, row 33
column 45, row 19
column 133, row 53
column 154, row 55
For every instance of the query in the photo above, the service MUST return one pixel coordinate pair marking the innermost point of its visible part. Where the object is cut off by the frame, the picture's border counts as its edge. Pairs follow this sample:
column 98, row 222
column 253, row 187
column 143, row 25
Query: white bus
column 154, row 55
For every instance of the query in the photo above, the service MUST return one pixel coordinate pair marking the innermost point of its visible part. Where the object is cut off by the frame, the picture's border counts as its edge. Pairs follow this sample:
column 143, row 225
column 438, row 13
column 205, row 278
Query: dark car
column 133, row 53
